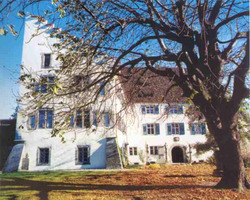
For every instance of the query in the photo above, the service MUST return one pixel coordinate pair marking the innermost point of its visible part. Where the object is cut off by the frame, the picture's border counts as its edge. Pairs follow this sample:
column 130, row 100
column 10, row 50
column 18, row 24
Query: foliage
column 167, row 182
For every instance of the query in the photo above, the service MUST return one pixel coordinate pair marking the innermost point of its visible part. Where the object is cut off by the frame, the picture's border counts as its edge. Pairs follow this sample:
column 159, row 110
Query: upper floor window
column 47, row 60
column 174, row 109
column 151, row 129
column 80, row 119
column 81, row 81
column 43, row 156
column 46, row 83
column 46, row 118
column 133, row 151
column 150, row 109
column 198, row 128
column 176, row 128
column 83, row 155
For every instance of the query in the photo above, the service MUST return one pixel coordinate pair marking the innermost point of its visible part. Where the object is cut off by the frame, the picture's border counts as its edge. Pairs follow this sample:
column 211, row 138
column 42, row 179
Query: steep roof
column 143, row 86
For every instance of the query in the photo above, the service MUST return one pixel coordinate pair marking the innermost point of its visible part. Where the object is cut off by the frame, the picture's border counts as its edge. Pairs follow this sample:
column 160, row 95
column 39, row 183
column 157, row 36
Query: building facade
column 151, row 130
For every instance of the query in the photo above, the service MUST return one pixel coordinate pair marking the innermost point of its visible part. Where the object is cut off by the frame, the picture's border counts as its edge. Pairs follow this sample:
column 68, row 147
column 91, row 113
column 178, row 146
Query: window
column 198, row 128
column 151, row 129
column 87, row 119
column 175, row 129
column 82, row 81
column 32, row 122
column 106, row 119
column 154, row 150
column 43, row 156
column 133, row 151
column 46, row 118
column 102, row 89
column 79, row 119
column 83, row 155
column 150, row 109
column 46, row 83
column 174, row 109
column 47, row 60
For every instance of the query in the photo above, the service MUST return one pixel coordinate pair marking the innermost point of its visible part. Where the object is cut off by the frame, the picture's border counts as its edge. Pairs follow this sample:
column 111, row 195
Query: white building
column 151, row 130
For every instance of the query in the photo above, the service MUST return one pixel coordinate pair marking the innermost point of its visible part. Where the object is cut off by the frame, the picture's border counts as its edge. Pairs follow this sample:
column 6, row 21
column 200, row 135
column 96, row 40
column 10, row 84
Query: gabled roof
column 143, row 86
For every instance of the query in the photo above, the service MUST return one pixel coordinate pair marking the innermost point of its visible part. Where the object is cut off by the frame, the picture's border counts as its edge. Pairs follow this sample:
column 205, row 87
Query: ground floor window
column 83, row 155
column 133, row 151
column 43, row 156
column 154, row 150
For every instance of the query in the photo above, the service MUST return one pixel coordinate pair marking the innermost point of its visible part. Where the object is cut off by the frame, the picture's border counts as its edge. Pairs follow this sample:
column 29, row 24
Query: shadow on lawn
column 44, row 187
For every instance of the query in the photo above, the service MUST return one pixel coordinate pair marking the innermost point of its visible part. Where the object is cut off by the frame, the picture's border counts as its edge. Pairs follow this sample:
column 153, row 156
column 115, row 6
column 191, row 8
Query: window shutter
column 157, row 129
column 94, row 119
column 169, row 128
column 76, row 155
column 143, row 109
column 192, row 129
column 144, row 129
column 106, row 119
column 88, row 155
column 156, row 109
column 180, row 109
column 102, row 92
column 204, row 131
column 182, row 130
column 72, row 121
column 166, row 109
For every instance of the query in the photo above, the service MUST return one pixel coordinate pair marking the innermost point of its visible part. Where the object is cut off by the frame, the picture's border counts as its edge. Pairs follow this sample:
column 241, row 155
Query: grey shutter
column 166, row 109
column 143, row 109
column 182, row 130
column 192, row 129
column 180, row 109
column 76, row 156
column 204, row 130
column 144, row 129
column 169, row 126
column 156, row 109
column 157, row 129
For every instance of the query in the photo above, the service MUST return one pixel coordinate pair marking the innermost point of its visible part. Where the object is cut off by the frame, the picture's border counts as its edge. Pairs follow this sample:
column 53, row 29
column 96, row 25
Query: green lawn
column 153, row 182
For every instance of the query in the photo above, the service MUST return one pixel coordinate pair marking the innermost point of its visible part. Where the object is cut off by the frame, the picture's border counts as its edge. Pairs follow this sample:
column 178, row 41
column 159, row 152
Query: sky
column 10, row 60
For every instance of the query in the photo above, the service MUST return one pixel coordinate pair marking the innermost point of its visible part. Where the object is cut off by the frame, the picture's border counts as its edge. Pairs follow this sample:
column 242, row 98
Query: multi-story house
column 152, row 129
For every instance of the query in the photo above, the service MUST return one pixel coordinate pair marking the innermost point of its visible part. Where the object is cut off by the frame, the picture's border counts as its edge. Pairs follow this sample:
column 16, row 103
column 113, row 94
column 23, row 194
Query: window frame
column 200, row 126
column 78, row 162
column 39, row 163
column 29, row 122
column 44, row 61
column 174, row 109
column 46, row 110
column 151, row 129
column 154, row 150
column 133, row 151
column 150, row 109
column 43, row 88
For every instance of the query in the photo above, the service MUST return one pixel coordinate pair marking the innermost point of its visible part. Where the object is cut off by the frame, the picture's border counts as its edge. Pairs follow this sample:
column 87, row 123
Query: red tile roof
column 143, row 86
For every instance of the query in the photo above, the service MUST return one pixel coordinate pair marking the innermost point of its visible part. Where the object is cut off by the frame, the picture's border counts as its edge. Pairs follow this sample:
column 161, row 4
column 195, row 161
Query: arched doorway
column 177, row 155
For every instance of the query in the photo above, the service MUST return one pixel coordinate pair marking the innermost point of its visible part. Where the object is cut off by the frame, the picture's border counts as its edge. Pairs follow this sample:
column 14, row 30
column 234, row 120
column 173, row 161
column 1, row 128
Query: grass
column 149, row 182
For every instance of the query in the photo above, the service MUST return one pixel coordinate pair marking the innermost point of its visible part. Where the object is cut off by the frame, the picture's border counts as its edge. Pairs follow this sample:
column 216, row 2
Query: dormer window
column 47, row 60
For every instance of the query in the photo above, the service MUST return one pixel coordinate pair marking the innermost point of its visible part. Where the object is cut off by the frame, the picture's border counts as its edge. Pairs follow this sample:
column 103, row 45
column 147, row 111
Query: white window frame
column 154, row 150
column 133, row 151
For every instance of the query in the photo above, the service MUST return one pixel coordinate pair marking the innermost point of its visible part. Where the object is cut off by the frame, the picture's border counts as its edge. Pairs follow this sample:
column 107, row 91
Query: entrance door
column 177, row 155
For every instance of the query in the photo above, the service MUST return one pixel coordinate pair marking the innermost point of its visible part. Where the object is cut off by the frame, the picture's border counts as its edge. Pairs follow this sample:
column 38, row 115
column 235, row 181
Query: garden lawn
column 150, row 182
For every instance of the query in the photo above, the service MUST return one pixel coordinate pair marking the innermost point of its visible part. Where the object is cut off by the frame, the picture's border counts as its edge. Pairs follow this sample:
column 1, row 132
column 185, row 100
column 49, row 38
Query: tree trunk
column 234, row 174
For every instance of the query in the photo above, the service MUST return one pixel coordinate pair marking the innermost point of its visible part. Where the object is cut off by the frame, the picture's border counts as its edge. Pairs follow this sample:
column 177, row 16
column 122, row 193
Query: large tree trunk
column 234, row 174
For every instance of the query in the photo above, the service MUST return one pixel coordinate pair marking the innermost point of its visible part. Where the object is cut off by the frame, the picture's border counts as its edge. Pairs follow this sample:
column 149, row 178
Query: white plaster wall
column 135, row 137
